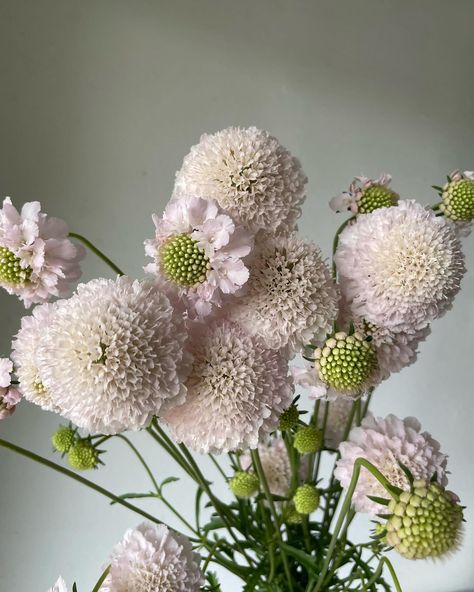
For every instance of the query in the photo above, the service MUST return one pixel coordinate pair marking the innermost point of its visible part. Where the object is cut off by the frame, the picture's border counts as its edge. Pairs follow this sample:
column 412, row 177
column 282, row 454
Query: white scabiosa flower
column 290, row 298
column 59, row 586
column 37, row 260
column 113, row 355
column 250, row 174
column 385, row 443
column 366, row 195
column 198, row 252
column 237, row 389
column 153, row 559
column 9, row 395
column 25, row 356
column 400, row 267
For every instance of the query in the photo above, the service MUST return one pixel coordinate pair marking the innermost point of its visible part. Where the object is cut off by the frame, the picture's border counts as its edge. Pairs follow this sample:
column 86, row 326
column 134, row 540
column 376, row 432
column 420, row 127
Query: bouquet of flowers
column 205, row 354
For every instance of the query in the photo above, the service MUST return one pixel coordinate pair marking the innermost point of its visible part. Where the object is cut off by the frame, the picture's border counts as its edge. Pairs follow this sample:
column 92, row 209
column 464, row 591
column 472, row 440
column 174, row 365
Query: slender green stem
column 270, row 541
column 336, row 243
column 378, row 572
column 101, row 580
column 78, row 478
column 323, row 430
column 97, row 252
column 218, row 466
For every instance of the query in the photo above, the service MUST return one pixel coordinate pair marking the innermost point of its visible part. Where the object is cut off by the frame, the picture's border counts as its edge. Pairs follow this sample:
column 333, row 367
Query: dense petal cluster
column 386, row 443
column 290, row 297
column 400, row 267
column 366, row 195
column 37, row 260
column 153, row 558
column 249, row 173
column 9, row 395
column 236, row 390
column 112, row 356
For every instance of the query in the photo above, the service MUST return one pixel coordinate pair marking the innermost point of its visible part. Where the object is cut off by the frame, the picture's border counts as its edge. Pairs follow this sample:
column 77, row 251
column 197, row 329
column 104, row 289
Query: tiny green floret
column 11, row 270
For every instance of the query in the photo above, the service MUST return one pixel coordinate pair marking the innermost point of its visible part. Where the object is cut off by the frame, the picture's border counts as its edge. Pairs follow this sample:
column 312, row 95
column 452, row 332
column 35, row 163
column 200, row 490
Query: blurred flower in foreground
column 9, row 395
column 59, row 586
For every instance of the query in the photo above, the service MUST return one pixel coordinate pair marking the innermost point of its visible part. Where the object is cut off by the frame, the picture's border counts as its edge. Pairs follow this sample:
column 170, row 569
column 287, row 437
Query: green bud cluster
column 289, row 418
column 306, row 499
column 291, row 516
column 183, row 262
column 244, row 484
column 375, row 197
column 63, row 439
column 308, row 439
column 424, row 522
column 11, row 270
column 458, row 200
column 83, row 455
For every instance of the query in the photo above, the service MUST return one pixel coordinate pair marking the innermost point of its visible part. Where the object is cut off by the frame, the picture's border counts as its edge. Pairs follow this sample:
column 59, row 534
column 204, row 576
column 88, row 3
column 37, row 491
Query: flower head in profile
column 400, row 267
column 198, row 251
column 290, row 298
column 458, row 196
column 366, row 195
column 236, row 390
column 250, row 174
column 153, row 558
column 37, row 260
column 386, row 443
column 59, row 586
column 112, row 355
column 9, row 395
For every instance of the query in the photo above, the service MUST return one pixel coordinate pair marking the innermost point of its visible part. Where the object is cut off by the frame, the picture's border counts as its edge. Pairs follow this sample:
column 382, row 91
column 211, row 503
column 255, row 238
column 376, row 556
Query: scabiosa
column 275, row 464
column 37, row 260
column 153, row 559
column 236, row 390
column 198, row 251
column 290, row 297
column 250, row 174
column 9, row 395
column 400, row 267
column 385, row 443
column 113, row 355
column 59, row 586
column 458, row 196
column 366, row 195
column 339, row 411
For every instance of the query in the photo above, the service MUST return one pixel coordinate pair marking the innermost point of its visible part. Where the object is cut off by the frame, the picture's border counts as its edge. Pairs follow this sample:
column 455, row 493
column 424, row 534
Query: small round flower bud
column 291, row 516
column 11, row 270
column 308, row 439
column 424, row 523
column 306, row 499
column 289, row 418
column 183, row 262
column 346, row 362
column 374, row 197
column 458, row 200
column 244, row 484
column 83, row 456
column 63, row 438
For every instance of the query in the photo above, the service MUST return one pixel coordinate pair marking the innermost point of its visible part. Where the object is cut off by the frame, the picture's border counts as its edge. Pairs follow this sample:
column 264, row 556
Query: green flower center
column 11, row 270
column 458, row 200
column 183, row 262
column 375, row 197
column 39, row 387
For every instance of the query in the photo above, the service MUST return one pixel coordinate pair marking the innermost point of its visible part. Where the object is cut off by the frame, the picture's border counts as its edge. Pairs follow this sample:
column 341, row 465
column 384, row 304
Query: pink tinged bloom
column 9, row 395
column 37, row 259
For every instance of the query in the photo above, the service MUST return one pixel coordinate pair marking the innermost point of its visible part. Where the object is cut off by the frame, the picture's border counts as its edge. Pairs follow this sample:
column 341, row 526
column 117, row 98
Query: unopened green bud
column 306, row 499
column 244, row 484
column 83, row 456
column 308, row 439
column 289, row 418
column 63, row 438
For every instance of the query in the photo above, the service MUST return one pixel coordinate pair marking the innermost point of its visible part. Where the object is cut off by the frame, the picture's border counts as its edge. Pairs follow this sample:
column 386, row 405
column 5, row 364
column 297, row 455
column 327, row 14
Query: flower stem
column 101, row 580
column 336, row 243
column 97, row 252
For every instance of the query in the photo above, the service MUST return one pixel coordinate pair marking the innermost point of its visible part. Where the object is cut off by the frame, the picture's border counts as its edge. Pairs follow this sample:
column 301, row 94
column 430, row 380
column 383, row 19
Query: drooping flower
column 250, row 174
column 290, row 297
column 9, row 395
column 59, row 586
column 37, row 260
column 153, row 559
column 236, row 390
column 366, row 195
column 25, row 356
column 198, row 252
column 399, row 267
column 458, row 196
column 385, row 443
column 113, row 355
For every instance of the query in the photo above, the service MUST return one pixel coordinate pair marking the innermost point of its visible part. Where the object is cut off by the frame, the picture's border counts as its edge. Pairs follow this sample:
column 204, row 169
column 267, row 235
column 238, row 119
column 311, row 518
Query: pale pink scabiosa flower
column 339, row 410
column 113, row 356
column 198, row 251
column 399, row 267
column 59, row 586
column 153, row 558
column 250, row 174
column 237, row 389
column 385, row 443
column 9, row 395
column 366, row 195
column 290, row 298
column 25, row 356
column 37, row 260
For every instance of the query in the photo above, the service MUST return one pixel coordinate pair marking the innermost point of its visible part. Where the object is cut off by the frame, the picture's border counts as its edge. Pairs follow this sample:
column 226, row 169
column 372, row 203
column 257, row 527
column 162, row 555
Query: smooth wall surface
column 100, row 101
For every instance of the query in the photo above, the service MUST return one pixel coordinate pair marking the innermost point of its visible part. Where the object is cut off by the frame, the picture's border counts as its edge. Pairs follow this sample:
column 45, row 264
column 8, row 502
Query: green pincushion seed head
column 458, row 200
column 183, row 262
column 375, row 197
column 308, row 439
column 244, row 484
column 11, row 270
column 306, row 499
column 83, row 456
column 63, row 439
column 289, row 418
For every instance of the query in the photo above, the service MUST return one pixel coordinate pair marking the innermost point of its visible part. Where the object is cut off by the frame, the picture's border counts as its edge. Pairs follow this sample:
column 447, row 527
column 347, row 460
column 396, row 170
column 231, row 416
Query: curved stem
column 378, row 573
column 86, row 242
column 101, row 580
column 336, row 243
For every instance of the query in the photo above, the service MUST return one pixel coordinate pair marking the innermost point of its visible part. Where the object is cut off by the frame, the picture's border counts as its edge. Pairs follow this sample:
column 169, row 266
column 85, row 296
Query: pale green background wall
column 99, row 102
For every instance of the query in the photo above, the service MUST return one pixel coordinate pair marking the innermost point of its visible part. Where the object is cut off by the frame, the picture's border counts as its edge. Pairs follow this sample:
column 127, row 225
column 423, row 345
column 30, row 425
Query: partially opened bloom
column 366, row 195
column 236, row 390
column 9, row 395
column 37, row 260
column 290, row 298
column 153, row 558
column 59, row 586
column 458, row 196
column 113, row 355
column 250, row 174
column 198, row 252
column 385, row 443
column 400, row 267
